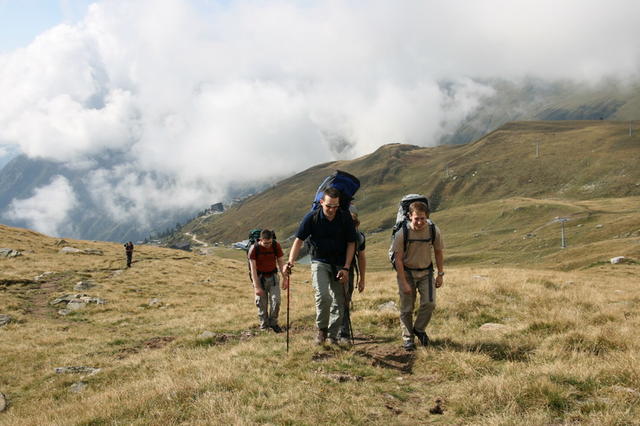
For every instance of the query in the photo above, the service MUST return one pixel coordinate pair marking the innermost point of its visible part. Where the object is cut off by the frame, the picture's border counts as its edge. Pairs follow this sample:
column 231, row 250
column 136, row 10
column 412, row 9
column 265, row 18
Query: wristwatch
column 441, row 274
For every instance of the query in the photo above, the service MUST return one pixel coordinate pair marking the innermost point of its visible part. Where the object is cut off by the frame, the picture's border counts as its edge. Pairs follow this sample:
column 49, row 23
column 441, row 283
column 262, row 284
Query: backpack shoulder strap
column 432, row 227
column 405, row 235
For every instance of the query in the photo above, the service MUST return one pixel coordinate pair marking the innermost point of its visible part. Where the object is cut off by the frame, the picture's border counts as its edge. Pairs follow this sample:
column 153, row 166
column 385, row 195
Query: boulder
column 155, row 302
column 5, row 319
column 7, row 252
column 69, row 250
column 207, row 335
column 619, row 259
column 3, row 402
column 389, row 306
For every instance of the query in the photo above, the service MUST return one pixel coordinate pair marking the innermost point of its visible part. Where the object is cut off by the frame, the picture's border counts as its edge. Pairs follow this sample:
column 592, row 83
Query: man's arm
column 406, row 288
column 254, row 276
column 343, row 273
column 362, row 266
column 294, row 252
column 282, row 270
column 439, row 255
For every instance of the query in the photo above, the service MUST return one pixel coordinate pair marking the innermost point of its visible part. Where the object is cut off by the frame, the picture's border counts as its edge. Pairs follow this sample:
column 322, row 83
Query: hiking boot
column 344, row 341
column 409, row 346
column 422, row 337
column 263, row 327
column 276, row 328
column 321, row 337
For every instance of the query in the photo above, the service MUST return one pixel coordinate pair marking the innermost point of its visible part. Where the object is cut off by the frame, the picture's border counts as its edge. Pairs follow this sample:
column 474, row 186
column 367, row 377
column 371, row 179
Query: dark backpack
column 254, row 236
column 402, row 224
column 344, row 182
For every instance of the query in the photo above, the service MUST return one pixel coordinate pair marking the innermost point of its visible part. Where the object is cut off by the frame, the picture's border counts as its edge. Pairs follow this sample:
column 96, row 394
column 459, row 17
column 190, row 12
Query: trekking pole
column 287, row 277
column 347, row 312
column 288, row 299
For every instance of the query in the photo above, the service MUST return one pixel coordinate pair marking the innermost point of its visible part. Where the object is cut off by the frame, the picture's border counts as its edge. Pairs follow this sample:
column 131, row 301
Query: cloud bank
column 48, row 209
column 196, row 95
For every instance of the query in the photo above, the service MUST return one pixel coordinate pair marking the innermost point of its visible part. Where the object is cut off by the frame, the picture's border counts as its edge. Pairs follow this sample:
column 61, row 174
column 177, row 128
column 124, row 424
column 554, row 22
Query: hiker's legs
column 336, row 290
column 262, row 303
column 427, row 301
column 274, row 299
column 344, row 329
column 129, row 255
column 407, row 302
column 321, row 279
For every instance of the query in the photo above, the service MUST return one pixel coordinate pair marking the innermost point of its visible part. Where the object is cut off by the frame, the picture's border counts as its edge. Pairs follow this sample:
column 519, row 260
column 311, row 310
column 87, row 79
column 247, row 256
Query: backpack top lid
column 344, row 182
column 403, row 208
column 254, row 236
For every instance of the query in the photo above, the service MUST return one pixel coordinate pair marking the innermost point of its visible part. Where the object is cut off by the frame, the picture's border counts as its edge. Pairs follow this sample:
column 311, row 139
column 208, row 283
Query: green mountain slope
column 568, row 160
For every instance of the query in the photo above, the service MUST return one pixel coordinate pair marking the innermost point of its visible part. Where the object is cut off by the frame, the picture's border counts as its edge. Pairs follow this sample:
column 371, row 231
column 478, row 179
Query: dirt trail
column 195, row 239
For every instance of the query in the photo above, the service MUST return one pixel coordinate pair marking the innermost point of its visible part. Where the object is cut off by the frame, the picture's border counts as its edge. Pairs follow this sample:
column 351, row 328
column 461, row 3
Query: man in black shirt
column 332, row 235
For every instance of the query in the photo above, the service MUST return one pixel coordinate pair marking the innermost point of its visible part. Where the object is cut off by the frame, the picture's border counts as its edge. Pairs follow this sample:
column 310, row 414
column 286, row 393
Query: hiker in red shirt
column 266, row 261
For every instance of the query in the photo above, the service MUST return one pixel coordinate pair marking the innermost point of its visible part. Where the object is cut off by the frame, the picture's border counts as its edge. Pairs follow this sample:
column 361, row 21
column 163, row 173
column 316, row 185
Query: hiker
column 265, row 261
column 359, row 263
column 128, row 249
column 332, row 236
column 415, row 272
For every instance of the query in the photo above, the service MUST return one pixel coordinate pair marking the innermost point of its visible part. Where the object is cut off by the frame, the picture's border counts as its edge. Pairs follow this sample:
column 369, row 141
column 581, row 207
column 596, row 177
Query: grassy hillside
column 510, row 191
column 565, row 351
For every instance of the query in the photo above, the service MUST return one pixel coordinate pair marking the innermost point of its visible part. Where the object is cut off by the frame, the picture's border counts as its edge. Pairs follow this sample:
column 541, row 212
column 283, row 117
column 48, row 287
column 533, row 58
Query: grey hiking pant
column 269, row 304
column 329, row 298
column 344, row 329
column 425, row 286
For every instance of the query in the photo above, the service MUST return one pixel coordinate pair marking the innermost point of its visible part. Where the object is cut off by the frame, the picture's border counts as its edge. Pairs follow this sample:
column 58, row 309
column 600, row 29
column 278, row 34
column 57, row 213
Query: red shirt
column 266, row 260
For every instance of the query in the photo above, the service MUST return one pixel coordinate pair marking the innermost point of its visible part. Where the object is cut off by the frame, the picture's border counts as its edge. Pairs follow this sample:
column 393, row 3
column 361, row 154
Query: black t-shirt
column 328, row 238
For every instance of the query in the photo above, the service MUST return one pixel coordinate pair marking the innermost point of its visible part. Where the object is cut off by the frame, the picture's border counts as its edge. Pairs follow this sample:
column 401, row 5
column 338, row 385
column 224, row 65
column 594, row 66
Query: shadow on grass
column 498, row 351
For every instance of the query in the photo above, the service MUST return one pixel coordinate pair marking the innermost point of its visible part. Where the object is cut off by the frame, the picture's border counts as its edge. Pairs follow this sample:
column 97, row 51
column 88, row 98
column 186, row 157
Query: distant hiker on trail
column 415, row 272
column 359, row 268
column 332, row 235
column 128, row 249
column 265, row 261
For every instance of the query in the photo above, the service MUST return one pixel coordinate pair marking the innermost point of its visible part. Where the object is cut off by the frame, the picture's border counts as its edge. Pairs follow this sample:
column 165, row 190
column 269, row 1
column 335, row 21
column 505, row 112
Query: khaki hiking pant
column 269, row 304
column 425, row 286
column 329, row 298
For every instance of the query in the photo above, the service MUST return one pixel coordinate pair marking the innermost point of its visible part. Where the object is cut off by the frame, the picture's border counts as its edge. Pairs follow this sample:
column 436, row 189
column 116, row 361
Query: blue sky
column 22, row 20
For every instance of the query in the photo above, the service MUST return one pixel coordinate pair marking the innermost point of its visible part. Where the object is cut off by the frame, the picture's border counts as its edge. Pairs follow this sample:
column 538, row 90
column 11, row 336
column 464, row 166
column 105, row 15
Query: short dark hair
column 419, row 206
column 266, row 234
column 332, row 192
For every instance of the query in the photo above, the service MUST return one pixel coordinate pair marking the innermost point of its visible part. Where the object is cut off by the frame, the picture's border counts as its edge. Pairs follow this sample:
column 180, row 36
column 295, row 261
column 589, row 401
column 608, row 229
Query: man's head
column 330, row 202
column 418, row 215
column 266, row 238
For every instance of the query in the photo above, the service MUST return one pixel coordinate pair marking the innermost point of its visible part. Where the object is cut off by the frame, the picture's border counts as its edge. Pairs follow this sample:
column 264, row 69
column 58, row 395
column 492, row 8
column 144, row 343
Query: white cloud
column 206, row 93
column 48, row 209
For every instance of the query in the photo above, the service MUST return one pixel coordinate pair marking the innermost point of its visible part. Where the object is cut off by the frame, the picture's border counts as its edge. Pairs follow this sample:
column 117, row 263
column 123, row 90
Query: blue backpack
column 346, row 183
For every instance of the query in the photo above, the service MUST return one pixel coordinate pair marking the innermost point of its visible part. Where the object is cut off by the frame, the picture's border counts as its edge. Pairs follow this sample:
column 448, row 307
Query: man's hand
column 287, row 269
column 361, row 285
column 439, row 281
column 406, row 288
column 259, row 291
column 343, row 276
